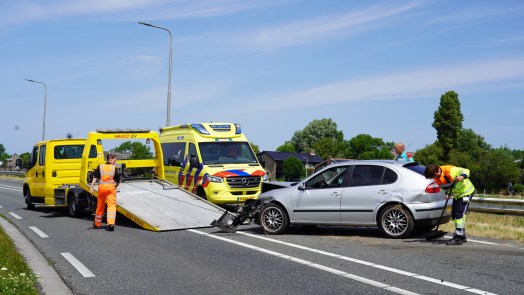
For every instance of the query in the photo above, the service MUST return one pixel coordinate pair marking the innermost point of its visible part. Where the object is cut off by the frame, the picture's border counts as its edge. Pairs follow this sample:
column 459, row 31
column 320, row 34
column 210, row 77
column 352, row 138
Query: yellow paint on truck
column 212, row 160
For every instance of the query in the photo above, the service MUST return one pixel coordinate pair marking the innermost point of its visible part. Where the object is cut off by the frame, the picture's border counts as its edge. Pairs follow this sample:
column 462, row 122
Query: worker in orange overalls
column 109, row 178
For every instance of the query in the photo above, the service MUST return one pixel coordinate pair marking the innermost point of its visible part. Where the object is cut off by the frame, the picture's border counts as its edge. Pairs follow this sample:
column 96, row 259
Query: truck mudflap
column 244, row 214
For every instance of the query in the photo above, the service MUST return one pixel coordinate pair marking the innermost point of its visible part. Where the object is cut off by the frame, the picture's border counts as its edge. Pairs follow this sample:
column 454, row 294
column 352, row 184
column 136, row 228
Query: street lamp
column 170, row 64
column 45, row 101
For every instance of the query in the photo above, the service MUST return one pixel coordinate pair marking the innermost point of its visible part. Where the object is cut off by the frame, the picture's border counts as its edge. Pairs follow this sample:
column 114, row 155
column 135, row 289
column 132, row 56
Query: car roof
column 390, row 162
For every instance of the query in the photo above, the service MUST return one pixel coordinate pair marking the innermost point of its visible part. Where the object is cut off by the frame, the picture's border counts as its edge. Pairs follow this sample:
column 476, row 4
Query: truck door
column 40, row 172
column 31, row 171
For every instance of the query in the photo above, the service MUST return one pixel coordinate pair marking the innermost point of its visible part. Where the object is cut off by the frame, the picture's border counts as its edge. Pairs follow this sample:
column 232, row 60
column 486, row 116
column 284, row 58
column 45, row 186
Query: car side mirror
column 302, row 187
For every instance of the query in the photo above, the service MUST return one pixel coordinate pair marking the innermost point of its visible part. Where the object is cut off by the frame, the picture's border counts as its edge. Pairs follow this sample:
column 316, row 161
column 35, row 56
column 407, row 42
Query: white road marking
column 12, row 188
column 1, row 206
column 387, row 268
column 310, row 264
column 84, row 271
column 480, row 242
column 14, row 215
column 39, row 232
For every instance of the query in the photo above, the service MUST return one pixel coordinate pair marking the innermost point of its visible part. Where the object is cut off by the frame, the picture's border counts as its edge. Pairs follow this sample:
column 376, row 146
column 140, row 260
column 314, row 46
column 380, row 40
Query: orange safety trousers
column 106, row 195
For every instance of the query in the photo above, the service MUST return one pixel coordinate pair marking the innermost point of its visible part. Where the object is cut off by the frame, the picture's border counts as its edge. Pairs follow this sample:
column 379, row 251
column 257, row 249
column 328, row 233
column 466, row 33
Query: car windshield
column 221, row 152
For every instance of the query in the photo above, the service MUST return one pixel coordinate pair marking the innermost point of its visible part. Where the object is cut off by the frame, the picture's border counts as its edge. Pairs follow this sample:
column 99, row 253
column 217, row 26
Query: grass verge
column 503, row 227
column 15, row 275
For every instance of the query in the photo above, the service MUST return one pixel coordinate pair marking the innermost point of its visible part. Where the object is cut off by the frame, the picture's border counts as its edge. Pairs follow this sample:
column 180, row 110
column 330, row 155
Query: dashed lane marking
column 14, row 215
column 39, row 232
column 82, row 269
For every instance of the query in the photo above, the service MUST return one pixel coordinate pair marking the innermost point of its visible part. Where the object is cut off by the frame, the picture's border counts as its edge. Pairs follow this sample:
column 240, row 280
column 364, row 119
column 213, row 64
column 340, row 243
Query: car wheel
column 274, row 219
column 29, row 205
column 396, row 222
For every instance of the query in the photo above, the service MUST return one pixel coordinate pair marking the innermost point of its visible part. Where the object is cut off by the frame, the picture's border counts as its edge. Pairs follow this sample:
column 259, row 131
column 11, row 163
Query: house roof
column 281, row 156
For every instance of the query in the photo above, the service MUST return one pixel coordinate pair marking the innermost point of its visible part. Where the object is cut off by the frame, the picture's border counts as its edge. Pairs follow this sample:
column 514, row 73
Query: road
column 320, row 260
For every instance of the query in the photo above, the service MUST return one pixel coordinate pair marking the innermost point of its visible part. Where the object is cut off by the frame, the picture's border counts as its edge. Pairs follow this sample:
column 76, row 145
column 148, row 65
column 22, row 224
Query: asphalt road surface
column 317, row 260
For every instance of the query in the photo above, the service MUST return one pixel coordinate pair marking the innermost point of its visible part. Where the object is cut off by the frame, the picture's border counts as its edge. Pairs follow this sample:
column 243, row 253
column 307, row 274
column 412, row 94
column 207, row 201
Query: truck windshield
column 221, row 152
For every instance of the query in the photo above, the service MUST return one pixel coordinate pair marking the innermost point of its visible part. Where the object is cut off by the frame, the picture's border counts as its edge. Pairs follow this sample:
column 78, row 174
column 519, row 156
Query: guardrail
column 12, row 173
column 497, row 206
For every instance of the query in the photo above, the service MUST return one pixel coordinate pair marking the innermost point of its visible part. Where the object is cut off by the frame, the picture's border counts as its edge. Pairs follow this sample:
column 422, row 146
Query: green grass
column 15, row 275
column 503, row 227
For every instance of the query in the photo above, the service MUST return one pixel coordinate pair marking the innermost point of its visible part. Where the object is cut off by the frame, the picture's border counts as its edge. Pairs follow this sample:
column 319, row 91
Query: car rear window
column 416, row 168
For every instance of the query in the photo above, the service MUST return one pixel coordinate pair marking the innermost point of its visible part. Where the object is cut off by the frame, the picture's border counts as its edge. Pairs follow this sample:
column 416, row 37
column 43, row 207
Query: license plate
column 242, row 199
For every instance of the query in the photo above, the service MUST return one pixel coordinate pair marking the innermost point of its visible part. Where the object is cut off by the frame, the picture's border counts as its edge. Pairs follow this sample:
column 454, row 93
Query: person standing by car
column 109, row 179
column 402, row 155
column 457, row 180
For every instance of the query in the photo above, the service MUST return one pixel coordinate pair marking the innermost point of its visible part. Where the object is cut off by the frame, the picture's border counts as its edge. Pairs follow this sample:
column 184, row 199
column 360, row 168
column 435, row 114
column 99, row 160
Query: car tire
column 396, row 222
column 274, row 219
column 27, row 196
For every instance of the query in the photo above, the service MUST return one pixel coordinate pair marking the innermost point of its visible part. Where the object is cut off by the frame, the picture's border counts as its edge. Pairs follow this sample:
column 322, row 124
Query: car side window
column 364, row 175
column 330, row 178
column 389, row 176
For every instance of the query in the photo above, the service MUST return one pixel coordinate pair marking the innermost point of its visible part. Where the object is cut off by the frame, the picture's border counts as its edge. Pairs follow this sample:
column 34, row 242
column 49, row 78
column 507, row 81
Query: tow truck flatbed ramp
column 159, row 206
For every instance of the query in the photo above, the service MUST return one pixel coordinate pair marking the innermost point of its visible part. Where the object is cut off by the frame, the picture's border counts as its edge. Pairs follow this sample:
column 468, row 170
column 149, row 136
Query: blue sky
column 374, row 67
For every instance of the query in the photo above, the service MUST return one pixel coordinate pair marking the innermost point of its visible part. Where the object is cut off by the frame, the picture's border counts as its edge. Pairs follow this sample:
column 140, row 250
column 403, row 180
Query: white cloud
column 406, row 85
column 318, row 29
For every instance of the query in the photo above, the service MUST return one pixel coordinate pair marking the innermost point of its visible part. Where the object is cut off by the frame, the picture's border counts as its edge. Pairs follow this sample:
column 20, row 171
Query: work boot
column 464, row 240
column 96, row 226
column 456, row 241
column 110, row 227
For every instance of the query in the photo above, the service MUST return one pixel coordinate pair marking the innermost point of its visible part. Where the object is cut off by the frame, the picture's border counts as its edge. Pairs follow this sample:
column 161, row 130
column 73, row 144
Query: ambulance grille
column 243, row 182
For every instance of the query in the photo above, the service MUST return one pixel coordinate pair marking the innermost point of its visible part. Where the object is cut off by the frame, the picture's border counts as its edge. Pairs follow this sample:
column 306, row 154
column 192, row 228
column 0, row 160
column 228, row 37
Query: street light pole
column 168, row 116
column 45, row 102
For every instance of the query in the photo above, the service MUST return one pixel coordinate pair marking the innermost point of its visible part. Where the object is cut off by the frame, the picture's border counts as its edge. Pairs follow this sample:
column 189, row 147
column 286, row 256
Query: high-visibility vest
column 107, row 174
column 462, row 188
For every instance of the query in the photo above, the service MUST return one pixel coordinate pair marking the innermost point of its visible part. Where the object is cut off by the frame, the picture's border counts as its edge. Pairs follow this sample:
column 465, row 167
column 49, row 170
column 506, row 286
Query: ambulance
column 212, row 160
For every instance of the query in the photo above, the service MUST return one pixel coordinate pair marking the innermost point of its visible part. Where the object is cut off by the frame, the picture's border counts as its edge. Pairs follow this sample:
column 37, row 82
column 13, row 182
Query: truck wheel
column 72, row 205
column 396, row 222
column 274, row 219
column 27, row 196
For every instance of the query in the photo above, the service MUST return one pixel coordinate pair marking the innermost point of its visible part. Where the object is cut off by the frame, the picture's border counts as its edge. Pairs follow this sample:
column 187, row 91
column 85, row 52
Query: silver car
column 391, row 195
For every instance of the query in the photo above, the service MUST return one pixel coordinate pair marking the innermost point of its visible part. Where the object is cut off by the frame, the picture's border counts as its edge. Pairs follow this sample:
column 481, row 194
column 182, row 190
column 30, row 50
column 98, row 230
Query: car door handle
column 382, row 192
column 335, row 194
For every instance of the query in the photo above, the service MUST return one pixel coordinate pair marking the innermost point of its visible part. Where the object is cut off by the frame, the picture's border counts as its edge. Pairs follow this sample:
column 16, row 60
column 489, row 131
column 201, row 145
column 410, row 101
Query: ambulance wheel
column 201, row 193
column 72, row 205
column 274, row 219
column 29, row 205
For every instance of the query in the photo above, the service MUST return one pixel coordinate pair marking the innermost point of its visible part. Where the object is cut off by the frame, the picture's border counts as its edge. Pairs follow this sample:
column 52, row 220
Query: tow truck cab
column 213, row 160
column 52, row 177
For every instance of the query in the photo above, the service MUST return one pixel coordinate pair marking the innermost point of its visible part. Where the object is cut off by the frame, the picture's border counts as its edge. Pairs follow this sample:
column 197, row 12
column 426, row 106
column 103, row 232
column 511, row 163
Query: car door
column 369, row 186
column 319, row 200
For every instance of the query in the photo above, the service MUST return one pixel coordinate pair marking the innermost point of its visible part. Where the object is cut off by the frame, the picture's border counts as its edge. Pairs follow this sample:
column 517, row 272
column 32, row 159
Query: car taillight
column 433, row 188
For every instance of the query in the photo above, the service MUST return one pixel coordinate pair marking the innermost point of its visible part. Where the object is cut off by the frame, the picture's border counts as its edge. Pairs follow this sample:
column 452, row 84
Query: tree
column 255, row 148
column 3, row 155
column 365, row 147
column 138, row 150
column 305, row 139
column 287, row 147
column 497, row 168
column 448, row 122
column 26, row 158
column 430, row 154
column 293, row 169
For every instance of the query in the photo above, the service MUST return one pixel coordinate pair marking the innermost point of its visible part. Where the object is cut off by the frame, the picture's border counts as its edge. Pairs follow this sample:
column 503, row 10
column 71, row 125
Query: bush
column 518, row 188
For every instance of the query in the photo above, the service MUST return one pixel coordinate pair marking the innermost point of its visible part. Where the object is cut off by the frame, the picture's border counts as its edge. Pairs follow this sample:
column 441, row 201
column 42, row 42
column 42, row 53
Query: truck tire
column 29, row 204
column 72, row 205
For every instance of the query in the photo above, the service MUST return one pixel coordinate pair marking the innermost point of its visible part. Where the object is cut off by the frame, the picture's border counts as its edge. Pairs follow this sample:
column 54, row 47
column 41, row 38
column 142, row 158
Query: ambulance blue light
column 239, row 129
column 200, row 128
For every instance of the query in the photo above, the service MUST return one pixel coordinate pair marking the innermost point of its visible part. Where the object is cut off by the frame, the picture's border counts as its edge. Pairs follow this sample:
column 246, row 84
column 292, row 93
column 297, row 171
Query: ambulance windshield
column 222, row 152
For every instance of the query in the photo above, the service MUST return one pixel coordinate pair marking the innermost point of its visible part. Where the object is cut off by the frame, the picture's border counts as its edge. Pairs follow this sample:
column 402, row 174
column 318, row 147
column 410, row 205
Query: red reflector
column 433, row 188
